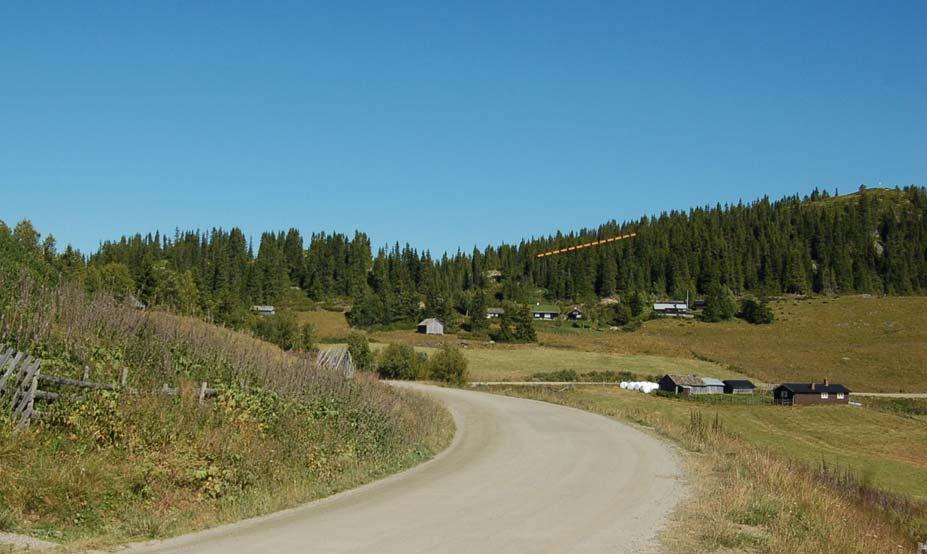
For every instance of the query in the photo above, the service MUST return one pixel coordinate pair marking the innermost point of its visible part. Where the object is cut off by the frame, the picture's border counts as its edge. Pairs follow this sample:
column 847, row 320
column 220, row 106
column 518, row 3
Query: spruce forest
column 872, row 241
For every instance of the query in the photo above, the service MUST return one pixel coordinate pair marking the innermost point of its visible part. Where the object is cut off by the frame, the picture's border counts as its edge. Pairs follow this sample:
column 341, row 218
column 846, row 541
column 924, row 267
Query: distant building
column 575, row 313
column 811, row 393
column 672, row 308
column 691, row 384
column 431, row 326
column 738, row 386
column 545, row 312
column 494, row 313
column 263, row 310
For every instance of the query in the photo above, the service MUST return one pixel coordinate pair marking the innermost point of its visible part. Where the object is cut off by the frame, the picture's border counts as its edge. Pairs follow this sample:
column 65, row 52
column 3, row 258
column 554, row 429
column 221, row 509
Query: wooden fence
column 21, row 374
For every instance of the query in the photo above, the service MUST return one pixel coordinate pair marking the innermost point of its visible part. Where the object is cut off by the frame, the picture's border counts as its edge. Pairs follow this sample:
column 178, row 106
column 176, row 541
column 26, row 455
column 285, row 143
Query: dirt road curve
column 521, row 476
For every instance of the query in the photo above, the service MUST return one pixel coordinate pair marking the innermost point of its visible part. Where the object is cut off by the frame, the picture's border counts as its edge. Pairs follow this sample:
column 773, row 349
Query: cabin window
column 823, row 396
column 839, row 396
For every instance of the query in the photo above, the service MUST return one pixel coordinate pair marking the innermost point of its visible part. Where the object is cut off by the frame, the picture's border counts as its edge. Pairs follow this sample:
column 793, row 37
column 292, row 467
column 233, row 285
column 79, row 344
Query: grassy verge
column 781, row 480
column 111, row 467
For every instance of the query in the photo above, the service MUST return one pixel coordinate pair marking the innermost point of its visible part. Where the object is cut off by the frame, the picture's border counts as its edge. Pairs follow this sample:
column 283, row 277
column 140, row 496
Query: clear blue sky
column 445, row 125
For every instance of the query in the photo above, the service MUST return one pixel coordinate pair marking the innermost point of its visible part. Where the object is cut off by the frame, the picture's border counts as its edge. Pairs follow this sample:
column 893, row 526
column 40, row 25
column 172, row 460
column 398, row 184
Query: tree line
column 873, row 241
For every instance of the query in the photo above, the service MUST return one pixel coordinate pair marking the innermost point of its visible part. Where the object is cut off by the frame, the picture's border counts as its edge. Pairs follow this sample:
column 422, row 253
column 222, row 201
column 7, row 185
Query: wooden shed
column 790, row 394
column 691, row 384
column 431, row 326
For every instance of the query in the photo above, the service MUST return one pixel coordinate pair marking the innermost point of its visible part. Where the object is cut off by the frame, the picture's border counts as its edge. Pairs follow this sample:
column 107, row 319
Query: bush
column 720, row 304
column 449, row 365
column 359, row 348
column 401, row 361
column 281, row 329
column 758, row 313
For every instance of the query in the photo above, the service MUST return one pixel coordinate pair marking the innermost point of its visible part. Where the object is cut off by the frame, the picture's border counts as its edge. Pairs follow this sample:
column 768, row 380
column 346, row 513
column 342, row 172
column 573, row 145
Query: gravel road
column 521, row 476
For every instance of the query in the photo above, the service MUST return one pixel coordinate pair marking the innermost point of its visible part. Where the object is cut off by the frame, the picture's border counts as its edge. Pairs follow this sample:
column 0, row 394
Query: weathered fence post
column 86, row 374
column 202, row 392
column 123, row 377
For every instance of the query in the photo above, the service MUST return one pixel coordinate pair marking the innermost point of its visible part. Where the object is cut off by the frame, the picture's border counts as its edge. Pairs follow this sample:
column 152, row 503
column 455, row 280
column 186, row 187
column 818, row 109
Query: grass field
column 756, row 479
column 327, row 324
column 516, row 363
column 867, row 343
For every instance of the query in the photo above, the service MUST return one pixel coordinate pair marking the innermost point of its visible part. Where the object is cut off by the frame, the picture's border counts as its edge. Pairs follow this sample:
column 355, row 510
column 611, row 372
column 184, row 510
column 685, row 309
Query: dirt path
column 521, row 476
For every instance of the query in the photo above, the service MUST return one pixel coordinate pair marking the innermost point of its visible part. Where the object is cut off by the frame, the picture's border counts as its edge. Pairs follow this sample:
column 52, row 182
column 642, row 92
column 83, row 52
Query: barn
column 738, row 386
column 431, row 326
column 575, row 313
column 691, row 384
column 790, row 394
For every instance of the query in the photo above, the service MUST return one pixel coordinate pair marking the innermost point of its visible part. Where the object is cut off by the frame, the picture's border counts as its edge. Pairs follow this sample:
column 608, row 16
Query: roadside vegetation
column 774, row 479
column 108, row 467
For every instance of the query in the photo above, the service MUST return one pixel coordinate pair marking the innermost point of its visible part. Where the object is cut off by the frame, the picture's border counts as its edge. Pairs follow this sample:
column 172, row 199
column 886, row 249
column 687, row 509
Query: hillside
column 873, row 241
column 108, row 467
column 869, row 343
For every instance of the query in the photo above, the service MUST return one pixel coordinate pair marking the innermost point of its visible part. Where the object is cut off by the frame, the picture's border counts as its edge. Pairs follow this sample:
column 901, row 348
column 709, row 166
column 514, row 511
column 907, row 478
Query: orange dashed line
column 586, row 245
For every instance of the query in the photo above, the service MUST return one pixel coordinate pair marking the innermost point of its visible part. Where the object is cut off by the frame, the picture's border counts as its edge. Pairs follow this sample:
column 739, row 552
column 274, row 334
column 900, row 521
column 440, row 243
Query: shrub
column 359, row 348
column 758, row 313
column 619, row 314
column 449, row 365
column 401, row 361
column 720, row 304
column 281, row 329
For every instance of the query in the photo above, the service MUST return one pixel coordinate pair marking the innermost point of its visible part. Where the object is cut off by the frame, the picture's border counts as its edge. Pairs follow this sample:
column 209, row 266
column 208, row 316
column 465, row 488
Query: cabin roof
column 814, row 388
column 739, row 384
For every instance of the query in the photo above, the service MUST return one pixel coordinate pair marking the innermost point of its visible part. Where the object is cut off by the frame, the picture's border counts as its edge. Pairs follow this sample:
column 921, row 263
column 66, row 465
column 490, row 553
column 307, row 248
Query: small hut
column 431, row 326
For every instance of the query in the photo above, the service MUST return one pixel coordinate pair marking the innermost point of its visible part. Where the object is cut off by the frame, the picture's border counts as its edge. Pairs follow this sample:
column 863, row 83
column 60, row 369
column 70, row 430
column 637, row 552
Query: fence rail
column 21, row 374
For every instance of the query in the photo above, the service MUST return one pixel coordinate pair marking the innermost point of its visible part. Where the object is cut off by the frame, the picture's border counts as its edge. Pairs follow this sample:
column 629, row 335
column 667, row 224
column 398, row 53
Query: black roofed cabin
column 738, row 386
column 575, row 313
column 790, row 394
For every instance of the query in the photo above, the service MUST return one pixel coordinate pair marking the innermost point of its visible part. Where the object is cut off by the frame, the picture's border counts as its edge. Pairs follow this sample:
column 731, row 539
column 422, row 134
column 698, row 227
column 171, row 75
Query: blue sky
column 445, row 125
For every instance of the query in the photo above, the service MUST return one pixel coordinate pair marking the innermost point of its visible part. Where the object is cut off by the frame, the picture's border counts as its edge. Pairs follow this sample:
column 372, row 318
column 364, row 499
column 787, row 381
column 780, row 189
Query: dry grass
column 115, row 466
column 867, row 343
column 753, row 498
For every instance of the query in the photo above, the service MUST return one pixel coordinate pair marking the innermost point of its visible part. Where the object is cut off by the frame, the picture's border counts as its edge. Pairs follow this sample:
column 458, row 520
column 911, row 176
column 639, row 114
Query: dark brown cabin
column 811, row 393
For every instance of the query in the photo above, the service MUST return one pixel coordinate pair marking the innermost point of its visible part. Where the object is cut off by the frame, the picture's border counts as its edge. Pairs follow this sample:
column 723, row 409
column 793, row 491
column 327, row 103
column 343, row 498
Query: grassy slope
column 867, row 343
column 326, row 324
column 747, row 493
column 114, row 467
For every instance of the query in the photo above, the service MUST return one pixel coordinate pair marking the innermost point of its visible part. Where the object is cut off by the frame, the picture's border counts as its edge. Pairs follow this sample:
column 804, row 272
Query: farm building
column 545, row 312
column 263, row 310
column 691, row 384
column 494, row 313
column 575, row 314
column 811, row 393
column 431, row 326
column 738, row 386
column 671, row 308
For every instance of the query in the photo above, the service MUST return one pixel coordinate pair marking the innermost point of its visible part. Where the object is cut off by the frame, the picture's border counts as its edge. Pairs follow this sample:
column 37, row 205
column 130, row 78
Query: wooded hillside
column 870, row 241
